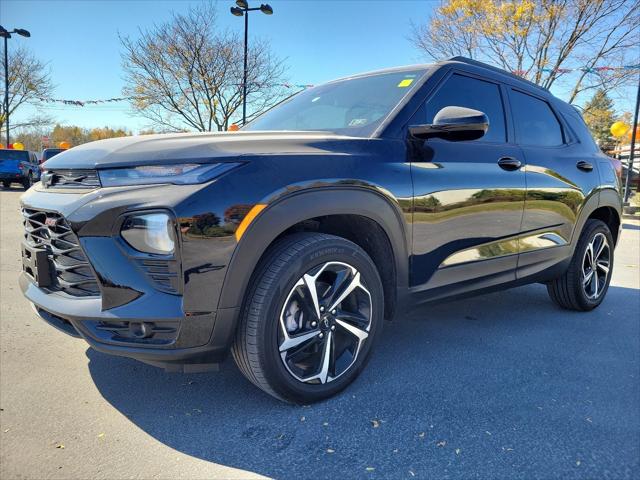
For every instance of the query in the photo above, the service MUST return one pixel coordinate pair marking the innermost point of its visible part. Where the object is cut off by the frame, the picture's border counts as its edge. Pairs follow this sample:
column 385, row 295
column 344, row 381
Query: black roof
column 476, row 63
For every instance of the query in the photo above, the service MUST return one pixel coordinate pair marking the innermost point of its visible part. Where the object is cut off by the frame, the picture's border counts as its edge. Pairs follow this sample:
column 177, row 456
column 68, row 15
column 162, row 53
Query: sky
column 319, row 39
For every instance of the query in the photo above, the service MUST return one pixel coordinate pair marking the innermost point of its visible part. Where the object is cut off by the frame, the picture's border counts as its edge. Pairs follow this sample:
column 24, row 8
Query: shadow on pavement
column 502, row 385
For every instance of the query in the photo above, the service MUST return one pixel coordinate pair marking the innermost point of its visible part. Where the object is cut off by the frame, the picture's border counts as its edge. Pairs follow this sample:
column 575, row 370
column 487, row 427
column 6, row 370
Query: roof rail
column 477, row 63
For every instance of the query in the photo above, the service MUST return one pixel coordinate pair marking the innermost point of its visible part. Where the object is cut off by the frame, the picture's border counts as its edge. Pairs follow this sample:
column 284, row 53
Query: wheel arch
column 609, row 211
column 606, row 205
column 333, row 206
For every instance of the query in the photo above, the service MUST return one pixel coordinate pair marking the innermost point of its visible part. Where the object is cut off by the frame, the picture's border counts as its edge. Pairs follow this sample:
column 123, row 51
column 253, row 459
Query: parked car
column 290, row 242
column 47, row 153
column 18, row 166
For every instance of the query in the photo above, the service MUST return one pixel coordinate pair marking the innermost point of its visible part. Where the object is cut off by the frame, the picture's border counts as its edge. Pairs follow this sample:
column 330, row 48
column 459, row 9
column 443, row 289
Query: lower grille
column 163, row 274
column 71, row 273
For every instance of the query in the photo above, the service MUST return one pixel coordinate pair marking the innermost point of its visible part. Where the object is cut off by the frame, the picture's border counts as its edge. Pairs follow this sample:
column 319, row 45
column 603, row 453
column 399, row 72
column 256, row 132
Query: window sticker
column 356, row 122
column 405, row 83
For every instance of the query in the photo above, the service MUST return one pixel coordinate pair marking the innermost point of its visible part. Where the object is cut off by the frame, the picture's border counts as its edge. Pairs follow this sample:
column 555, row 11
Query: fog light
column 150, row 233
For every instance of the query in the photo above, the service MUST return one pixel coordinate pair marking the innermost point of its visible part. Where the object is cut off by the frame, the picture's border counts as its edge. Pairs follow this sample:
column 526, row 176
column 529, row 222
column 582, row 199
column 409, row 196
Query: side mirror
column 454, row 124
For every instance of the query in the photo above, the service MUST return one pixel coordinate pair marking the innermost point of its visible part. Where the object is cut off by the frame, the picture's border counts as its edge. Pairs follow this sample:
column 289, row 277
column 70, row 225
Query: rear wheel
column 313, row 313
column 28, row 181
column 585, row 283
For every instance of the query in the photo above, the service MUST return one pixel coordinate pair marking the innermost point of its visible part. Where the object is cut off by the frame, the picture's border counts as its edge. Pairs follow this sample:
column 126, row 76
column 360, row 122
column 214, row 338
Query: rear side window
column 574, row 118
column 461, row 91
column 535, row 122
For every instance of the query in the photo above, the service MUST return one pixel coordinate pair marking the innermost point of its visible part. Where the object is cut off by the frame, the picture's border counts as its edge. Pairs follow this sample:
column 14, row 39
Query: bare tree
column 185, row 74
column 540, row 40
column 29, row 80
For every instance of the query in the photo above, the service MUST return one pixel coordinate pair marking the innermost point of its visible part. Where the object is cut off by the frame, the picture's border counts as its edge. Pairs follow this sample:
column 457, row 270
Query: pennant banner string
column 82, row 103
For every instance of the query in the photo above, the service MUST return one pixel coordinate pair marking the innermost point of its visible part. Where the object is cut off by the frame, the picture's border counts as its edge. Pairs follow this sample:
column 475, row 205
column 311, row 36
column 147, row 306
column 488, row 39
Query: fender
column 303, row 205
column 605, row 197
column 587, row 208
column 612, row 197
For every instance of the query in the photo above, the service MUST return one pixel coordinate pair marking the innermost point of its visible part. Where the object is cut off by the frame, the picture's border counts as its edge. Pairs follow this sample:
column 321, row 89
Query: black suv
column 291, row 241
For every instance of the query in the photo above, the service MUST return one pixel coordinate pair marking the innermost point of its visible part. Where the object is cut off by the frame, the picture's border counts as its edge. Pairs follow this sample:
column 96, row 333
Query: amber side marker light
column 249, row 217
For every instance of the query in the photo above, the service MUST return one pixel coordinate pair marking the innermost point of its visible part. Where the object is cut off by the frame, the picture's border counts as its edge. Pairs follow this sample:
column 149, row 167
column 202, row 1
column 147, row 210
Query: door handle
column 584, row 166
column 509, row 163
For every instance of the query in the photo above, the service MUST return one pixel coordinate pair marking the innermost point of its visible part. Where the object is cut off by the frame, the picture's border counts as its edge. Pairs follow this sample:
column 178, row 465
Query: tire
column 6, row 185
column 28, row 181
column 280, row 303
column 572, row 290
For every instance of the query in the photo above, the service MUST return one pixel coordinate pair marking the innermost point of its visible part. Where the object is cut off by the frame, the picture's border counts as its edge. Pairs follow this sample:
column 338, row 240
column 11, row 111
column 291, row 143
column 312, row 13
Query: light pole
column 6, row 34
column 632, row 150
column 241, row 10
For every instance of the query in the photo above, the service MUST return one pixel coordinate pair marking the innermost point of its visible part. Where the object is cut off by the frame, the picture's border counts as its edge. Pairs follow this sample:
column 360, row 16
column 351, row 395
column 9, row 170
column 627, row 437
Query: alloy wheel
column 324, row 322
column 596, row 265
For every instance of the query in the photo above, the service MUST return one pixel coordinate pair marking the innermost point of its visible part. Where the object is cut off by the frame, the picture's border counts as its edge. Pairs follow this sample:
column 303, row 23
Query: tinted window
column 50, row 152
column 354, row 106
column 460, row 91
column 14, row 155
column 574, row 118
column 535, row 122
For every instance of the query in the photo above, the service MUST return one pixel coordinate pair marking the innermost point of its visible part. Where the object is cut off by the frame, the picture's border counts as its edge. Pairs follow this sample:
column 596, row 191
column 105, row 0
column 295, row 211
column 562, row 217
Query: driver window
column 461, row 91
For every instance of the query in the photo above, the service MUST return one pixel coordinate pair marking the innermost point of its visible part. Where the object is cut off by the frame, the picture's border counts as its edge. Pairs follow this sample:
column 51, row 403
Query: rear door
column 560, row 180
column 468, row 196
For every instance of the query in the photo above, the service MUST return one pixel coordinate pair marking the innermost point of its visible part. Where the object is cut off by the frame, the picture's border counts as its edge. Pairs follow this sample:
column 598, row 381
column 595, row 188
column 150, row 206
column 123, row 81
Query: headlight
column 150, row 233
column 180, row 174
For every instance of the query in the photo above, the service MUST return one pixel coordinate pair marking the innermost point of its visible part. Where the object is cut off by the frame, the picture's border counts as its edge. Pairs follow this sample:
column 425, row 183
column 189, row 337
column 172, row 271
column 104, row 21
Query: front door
column 468, row 196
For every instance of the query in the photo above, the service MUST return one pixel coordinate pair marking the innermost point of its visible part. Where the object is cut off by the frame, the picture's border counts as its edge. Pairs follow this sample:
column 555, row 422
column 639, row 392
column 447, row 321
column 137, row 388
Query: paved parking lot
column 500, row 386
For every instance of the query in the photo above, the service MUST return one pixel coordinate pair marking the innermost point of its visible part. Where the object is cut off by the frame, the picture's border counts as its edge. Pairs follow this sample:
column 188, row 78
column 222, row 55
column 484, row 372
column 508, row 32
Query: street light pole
column 243, row 9
column 244, row 76
column 6, row 35
column 6, row 84
column 627, row 186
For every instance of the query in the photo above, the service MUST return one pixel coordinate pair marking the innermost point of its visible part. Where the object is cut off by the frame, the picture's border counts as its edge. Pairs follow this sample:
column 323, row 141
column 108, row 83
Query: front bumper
column 134, row 315
column 84, row 317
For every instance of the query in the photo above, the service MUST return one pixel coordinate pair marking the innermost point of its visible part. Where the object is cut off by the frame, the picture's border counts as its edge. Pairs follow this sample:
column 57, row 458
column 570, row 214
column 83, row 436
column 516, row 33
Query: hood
column 200, row 147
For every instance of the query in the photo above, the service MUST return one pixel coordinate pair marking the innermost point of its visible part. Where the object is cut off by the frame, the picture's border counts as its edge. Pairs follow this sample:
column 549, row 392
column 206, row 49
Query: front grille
column 71, row 179
column 50, row 231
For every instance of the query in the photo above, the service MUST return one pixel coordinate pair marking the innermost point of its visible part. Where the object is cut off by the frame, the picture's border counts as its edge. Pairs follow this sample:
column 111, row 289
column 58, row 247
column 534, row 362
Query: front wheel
column 314, row 310
column 585, row 283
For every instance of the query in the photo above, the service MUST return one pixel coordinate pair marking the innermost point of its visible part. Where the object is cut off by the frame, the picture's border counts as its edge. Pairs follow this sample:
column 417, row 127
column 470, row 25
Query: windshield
column 14, row 155
column 354, row 107
column 50, row 152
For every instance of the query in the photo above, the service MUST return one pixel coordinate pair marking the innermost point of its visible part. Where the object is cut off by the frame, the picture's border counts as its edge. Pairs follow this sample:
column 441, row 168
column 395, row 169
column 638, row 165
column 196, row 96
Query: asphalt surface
column 500, row 386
